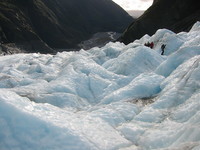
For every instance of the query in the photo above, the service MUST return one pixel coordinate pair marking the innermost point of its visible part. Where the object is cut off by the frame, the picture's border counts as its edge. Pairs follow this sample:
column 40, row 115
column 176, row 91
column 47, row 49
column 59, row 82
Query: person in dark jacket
column 163, row 48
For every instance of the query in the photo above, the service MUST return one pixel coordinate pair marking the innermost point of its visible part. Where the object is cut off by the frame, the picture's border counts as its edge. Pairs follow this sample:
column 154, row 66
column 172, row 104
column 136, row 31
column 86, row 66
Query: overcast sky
column 134, row 4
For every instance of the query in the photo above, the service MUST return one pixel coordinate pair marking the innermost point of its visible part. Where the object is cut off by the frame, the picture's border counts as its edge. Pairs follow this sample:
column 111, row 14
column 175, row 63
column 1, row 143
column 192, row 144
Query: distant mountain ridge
column 175, row 15
column 42, row 25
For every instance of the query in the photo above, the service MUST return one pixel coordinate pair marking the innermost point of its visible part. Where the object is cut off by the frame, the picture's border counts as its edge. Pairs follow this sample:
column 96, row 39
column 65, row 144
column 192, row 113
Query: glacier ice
column 126, row 97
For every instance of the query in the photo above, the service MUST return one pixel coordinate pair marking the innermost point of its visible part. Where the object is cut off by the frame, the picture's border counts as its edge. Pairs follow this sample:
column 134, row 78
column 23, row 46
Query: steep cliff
column 46, row 24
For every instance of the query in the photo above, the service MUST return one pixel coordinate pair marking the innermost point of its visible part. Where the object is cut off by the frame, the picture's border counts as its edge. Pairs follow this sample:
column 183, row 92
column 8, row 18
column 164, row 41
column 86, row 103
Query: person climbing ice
column 151, row 45
column 163, row 48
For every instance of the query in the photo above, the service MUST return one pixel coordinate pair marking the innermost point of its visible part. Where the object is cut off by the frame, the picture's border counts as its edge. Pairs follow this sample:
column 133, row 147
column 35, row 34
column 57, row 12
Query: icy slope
column 114, row 97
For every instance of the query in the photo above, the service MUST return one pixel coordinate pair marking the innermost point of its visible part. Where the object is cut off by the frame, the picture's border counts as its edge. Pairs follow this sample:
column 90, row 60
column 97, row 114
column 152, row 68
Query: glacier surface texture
column 118, row 97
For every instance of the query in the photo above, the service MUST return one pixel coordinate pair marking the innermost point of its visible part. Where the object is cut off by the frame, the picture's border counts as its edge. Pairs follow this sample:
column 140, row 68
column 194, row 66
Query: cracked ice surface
column 126, row 97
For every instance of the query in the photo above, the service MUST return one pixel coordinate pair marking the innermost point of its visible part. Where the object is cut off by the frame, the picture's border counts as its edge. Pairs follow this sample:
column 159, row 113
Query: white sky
column 134, row 4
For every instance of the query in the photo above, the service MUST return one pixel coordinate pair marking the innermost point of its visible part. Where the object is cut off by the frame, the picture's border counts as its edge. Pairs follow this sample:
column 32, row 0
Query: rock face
column 176, row 15
column 46, row 24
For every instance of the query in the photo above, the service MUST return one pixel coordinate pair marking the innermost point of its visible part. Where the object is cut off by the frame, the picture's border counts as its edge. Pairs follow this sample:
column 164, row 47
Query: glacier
column 117, row 97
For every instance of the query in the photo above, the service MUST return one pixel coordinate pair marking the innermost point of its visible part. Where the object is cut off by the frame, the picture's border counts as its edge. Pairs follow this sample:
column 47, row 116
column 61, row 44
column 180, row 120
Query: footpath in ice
column 118, row 97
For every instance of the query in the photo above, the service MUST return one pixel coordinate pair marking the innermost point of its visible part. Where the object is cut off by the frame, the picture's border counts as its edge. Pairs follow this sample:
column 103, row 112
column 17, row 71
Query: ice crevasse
column 117, row 97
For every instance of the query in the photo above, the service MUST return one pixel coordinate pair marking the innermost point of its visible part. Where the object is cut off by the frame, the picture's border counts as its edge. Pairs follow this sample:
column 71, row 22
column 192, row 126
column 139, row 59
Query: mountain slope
column 58, row 23
column 176, row 15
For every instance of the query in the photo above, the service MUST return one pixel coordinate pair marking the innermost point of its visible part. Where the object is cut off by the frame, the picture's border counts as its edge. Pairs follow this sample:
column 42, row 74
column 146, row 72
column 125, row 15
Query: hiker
column 151, row 45
column 147, row 44
column 163, row 48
